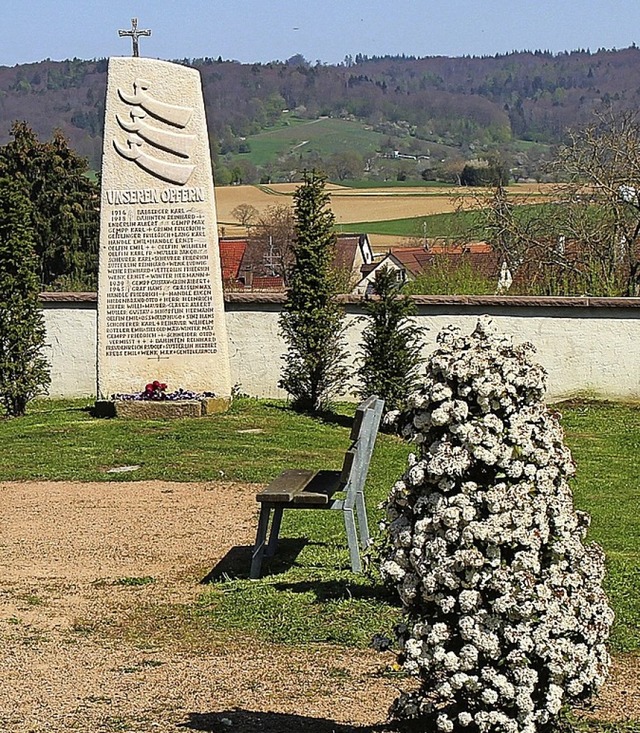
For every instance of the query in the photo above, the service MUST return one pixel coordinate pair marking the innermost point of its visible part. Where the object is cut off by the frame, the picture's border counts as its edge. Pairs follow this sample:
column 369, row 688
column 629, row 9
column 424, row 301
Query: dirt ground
column 75, row 654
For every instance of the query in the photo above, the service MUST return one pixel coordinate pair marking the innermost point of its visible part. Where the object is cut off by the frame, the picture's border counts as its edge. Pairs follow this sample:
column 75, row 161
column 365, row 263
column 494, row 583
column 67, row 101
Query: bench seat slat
column 285, row 486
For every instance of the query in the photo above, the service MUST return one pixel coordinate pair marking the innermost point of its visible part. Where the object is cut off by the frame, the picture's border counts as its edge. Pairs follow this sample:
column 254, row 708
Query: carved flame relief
column 144, row 138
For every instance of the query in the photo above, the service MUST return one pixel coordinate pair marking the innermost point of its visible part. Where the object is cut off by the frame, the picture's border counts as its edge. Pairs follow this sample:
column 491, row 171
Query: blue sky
column 325, row 30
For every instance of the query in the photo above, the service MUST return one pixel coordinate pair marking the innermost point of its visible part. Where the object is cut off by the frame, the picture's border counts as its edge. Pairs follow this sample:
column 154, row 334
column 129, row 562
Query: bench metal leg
column 259, row 547
column 275, row 530
column 352, row 539
column 363, row 525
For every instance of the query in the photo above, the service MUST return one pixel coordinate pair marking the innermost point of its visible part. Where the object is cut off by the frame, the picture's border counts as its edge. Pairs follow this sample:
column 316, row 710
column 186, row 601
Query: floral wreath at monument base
column 156, row 391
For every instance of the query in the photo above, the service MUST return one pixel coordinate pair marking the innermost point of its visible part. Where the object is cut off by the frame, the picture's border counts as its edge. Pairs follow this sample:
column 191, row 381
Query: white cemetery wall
column 71, row 328
column 588, row 346
column 160, row 302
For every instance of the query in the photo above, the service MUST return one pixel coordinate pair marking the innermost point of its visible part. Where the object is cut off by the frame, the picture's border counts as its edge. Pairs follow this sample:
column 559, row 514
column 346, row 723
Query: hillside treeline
column 469, row 103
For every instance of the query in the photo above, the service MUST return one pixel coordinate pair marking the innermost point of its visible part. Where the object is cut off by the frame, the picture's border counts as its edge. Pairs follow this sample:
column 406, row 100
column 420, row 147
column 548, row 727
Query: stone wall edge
column 517, row 301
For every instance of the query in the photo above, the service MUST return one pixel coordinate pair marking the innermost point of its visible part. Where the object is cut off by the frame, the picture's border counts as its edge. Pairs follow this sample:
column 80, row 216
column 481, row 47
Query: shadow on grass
column 331, row 418
column 101, row 409
column 328, row 417
column 236, row 563
column 250, row 721
column 329, row 590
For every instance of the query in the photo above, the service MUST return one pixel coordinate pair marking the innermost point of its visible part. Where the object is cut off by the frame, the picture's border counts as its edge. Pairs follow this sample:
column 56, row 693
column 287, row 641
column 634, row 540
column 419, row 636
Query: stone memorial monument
column 160, row 305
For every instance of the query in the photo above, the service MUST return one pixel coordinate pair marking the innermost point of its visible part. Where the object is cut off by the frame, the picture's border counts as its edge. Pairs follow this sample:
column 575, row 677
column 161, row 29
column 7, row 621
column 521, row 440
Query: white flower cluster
column 506, row 619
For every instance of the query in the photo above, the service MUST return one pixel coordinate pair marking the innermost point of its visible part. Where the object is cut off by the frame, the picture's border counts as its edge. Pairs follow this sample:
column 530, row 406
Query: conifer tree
column 65, row 205
column 312, row 321
column 390, row 343
column 23, row 370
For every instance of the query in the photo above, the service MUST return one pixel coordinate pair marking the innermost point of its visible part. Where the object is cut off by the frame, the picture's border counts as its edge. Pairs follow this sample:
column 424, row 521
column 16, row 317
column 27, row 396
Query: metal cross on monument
column 134, row 33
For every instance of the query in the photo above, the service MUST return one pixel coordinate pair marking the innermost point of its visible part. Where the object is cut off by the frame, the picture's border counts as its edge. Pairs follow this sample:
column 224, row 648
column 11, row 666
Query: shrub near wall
column 506, row 619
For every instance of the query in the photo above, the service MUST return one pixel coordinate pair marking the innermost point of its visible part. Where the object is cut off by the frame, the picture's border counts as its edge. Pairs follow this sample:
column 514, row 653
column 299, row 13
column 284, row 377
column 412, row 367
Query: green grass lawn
column 605, row 441
column 311, row 596
column 60, row 440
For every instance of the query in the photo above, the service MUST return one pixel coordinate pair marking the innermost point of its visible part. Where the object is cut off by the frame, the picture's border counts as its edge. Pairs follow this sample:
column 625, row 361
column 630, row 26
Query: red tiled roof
column 413, row 259
column 238, row 254
column 417, row 260
column 267, row 283
column 470, row 247
column 346, row 250
column 231, row 255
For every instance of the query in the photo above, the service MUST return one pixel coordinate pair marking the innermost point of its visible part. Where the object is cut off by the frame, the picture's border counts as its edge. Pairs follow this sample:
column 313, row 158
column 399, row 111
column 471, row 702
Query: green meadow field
column 305, row 137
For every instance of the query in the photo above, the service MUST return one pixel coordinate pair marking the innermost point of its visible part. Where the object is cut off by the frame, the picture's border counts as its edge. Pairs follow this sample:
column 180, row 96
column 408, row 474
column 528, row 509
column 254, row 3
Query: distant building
column 353, row 253
column 249, row 264
column 411, row 262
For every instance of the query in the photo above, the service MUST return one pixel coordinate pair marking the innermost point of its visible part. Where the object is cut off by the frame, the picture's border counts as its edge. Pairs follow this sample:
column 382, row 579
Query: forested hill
column 469, row 103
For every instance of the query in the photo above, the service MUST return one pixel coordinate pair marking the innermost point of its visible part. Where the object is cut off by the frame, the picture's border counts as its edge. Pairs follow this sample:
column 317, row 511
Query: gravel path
column 70, row 554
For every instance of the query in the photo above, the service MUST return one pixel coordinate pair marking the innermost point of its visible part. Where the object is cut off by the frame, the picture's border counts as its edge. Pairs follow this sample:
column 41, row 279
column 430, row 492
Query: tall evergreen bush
column 312, row 322
column 24, row 372
column 390, row 343
column 65, row 205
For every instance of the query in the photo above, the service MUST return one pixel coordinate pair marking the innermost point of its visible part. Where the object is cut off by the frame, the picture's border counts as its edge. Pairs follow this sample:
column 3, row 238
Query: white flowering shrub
column 505, row 616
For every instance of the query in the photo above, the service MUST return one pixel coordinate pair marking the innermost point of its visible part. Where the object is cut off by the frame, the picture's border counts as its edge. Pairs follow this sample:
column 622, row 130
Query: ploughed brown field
column 364, row 204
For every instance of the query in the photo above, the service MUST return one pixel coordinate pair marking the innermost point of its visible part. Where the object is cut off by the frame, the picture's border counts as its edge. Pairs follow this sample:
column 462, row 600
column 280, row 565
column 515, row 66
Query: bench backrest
column 363, row 437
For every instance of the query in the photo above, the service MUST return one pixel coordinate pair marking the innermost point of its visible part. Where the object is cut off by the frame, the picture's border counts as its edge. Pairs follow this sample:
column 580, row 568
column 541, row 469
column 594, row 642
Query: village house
column 252, row 265
column 411, row 262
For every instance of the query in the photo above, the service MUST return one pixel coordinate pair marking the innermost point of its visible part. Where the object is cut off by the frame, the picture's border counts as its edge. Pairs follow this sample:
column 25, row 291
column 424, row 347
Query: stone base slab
column 162, row 409
column 215, row 405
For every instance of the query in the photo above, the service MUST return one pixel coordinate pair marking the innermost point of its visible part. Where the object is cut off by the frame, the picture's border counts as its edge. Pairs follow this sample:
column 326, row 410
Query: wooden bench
column 299, row 488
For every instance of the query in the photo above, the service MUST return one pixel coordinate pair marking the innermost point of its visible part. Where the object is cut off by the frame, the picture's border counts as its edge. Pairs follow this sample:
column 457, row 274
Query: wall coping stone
column 529, row 301
column 69, row 297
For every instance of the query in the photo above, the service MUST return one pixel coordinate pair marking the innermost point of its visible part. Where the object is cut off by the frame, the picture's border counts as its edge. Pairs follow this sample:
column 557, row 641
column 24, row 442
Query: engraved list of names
column 159, row 299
